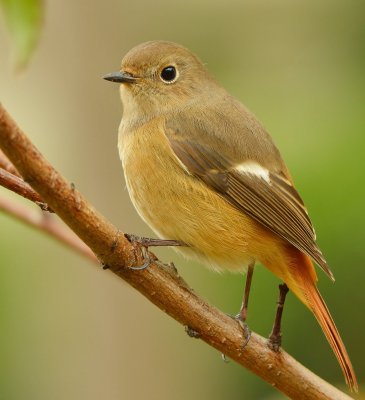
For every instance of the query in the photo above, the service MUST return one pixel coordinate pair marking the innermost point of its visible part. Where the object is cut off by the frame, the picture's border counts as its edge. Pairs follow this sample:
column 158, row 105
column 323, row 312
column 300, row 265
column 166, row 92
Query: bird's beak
column 120, row 77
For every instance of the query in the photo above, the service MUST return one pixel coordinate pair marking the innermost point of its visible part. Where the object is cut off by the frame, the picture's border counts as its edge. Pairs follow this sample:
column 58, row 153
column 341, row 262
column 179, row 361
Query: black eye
column 169, row 74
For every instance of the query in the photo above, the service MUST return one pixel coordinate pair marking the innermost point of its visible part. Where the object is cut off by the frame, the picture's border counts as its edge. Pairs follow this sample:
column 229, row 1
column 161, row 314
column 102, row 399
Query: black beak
column 120, row 77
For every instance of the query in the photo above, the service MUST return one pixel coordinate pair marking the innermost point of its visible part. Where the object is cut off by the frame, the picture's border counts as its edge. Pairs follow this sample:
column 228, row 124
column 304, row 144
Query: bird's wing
column 267, row 196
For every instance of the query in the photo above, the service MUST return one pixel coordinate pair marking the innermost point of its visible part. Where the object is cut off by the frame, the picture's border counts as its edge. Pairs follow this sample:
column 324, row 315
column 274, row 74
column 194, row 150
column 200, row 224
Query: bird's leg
column 242, row 315
column 145, row 243
column 275, row 336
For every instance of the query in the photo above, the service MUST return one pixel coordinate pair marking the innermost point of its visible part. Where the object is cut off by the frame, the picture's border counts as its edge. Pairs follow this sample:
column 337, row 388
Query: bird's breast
column 176, row 205
column 154, row 179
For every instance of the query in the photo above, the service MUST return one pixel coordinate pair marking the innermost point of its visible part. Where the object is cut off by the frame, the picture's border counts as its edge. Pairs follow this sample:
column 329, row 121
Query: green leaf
column 24, row 19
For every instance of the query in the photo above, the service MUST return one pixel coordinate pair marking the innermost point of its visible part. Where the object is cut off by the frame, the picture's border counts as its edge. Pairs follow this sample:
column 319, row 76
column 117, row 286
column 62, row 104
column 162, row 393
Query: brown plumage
column 201, row 169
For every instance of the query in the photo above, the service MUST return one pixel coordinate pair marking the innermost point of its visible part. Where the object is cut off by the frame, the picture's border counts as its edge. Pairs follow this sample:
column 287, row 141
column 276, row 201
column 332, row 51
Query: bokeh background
column 69, row 330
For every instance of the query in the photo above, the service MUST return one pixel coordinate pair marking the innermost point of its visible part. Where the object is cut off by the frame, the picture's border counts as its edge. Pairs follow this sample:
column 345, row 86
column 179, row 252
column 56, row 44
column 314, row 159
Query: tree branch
column 160, row 284
column 46, row 223
column 17, row 185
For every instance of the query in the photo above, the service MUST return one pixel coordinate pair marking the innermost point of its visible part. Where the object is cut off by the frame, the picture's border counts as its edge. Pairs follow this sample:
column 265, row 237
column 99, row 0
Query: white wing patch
column 253, row 168
column 182, row 165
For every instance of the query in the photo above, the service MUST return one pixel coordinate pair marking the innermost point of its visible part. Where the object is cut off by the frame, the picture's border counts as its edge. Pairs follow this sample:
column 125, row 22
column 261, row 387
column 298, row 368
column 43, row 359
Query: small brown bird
column 201, row 169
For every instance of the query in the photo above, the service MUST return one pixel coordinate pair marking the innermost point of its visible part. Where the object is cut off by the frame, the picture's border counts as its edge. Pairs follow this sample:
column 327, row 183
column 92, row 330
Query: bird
column 202, row 170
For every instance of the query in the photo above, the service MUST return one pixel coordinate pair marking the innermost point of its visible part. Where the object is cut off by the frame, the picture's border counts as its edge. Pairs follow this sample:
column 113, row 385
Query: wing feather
column 274, row 202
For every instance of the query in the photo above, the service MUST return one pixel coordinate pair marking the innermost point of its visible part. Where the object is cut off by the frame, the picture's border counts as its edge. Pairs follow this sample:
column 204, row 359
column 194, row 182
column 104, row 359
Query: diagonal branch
column 161, row 285
column 17, row 185
column 46, row 223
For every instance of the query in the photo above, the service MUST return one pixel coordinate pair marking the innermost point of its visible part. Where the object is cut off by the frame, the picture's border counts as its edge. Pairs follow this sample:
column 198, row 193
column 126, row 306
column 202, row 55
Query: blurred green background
column 69, row 330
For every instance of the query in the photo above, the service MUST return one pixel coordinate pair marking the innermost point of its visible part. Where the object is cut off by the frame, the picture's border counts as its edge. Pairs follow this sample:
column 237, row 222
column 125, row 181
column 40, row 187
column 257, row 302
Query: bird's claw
column 274, row 342
column 146, row 258
column 246, row 330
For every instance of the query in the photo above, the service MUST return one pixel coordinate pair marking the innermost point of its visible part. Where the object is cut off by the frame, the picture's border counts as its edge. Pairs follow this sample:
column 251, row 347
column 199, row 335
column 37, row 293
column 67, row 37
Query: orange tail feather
column 303, row 284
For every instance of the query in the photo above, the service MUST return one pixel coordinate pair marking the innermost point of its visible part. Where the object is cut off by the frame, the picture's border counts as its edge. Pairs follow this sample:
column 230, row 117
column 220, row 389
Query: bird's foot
column 144, row 243
column 274, row 342
column 246, row 333
column 147, row 261
column 246, row 330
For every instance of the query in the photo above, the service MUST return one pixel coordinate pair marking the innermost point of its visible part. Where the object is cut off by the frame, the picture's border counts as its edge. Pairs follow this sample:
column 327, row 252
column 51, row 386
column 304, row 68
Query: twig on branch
column 7, row 165
column 17, row 185
column 161, row 285
column 46, row 223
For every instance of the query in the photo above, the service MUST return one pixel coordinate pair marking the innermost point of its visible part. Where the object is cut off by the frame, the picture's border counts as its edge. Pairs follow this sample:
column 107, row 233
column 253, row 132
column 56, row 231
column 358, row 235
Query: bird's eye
column 169, row 74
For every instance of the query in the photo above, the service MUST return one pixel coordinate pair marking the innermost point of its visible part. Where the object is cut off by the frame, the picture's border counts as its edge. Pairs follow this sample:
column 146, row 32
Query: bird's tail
column 303, row 284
